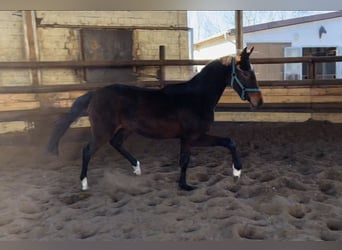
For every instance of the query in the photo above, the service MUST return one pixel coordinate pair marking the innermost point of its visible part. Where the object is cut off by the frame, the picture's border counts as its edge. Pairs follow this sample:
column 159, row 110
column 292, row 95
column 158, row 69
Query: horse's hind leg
column 85, row 162
column 116, row 142
column 88, row 151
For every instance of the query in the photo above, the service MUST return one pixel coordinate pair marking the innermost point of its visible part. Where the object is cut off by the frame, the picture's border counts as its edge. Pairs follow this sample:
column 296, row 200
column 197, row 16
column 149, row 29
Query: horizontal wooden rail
column 98, row 64
column 91, row 86
column 304, row 59
column 78, row 26
column 69, row 87
column 42, row 114
column 137, row 63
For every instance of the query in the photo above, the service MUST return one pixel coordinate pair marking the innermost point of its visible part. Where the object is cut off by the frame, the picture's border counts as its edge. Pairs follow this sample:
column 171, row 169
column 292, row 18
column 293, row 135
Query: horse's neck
column 212, row 83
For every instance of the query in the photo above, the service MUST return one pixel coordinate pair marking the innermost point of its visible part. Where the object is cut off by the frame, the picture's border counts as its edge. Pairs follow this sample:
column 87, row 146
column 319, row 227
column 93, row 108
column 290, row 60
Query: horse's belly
column 159, row 129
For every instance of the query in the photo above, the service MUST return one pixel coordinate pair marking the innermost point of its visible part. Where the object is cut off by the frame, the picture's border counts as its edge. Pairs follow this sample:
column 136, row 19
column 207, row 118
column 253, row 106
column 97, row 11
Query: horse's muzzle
column 255, row 99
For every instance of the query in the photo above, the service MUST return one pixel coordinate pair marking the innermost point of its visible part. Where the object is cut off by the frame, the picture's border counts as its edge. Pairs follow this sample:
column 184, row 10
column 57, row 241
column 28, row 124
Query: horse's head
column 243, row 79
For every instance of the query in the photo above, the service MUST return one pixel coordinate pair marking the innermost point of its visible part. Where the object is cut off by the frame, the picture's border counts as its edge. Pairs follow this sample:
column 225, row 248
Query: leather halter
column 234, row 78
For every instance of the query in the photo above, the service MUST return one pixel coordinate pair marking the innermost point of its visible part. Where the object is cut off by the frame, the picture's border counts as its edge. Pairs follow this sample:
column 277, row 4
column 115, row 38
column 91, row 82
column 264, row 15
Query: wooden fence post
column 161, row 67
column 312, row 70
column 31, row 46
column 31, row 49
column 238, row 31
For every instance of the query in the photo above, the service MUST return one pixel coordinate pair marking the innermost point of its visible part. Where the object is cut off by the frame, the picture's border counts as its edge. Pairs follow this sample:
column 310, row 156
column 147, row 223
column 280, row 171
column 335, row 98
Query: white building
column 317, row 35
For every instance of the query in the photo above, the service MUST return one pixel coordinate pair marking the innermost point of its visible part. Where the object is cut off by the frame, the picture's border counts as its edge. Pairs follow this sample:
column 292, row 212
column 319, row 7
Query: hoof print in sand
column 267, row 177
column 327, row 188
column 297, row 211
column 29, row 208
column 251, row 233
column 246, row 192
column 84, row 231
column 199, row 197
column 74, row 198
column 202, row 177
column 5, row 220
column 335, row 225
column 294, row 184
column 328, row 236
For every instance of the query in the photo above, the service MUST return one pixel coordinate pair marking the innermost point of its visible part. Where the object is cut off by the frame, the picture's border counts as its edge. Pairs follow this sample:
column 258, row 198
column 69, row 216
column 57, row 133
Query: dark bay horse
column 184, row 111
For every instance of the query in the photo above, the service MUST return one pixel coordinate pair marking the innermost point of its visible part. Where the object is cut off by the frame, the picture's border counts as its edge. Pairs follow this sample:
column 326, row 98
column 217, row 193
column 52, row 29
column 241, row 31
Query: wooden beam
column 239, row 31
column 276, row 117
column 261, row 116
column 211, row 42
column 79, row 26
column 331, row 117
column 137, row 63
column 71, row 87
column 14, row 126
column 304, row 59
column 31, row 46
column 99, row 64
column 83, row 122
column 161, row 73
column 319, row 87
column 327, row 90
column 10, row 102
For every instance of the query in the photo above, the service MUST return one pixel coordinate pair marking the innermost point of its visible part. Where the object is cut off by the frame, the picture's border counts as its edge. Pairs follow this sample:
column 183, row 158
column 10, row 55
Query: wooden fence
column 24, row 108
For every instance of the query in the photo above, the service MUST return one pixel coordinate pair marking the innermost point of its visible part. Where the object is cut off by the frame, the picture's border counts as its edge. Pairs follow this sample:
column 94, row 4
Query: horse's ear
column 251, row 50
column 244, row 51
column 244, row 58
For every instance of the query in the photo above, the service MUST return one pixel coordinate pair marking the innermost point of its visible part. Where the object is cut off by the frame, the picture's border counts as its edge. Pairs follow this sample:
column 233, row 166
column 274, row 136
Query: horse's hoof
column 187, row 187
column 236, row 179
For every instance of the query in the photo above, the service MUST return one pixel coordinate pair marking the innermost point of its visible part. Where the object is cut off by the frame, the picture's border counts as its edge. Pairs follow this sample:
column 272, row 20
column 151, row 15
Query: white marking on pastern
column 137, row 169
column 85, row 184
column 236, row 172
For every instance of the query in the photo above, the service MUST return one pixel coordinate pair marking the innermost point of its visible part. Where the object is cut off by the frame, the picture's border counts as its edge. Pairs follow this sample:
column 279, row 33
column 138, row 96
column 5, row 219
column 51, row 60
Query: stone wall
column 12, row 48
column 58, row 39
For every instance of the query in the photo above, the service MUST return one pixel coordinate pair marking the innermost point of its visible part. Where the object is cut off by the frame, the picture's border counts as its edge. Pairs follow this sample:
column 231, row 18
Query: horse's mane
column 195, row 82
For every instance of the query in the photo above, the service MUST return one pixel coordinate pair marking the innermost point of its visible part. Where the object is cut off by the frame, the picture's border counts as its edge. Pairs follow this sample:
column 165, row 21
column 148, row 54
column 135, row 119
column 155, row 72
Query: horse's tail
column 79, row 105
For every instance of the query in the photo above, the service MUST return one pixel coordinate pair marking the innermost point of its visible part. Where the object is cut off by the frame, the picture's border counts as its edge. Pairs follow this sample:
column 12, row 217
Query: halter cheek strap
column 234, row 78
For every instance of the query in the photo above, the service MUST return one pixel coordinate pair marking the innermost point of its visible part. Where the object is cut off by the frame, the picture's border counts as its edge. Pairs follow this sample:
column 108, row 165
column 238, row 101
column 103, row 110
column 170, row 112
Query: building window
column 325, row 70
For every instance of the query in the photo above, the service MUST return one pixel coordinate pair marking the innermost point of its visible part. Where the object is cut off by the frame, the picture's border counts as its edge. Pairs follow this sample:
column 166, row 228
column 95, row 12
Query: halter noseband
column 237, row 80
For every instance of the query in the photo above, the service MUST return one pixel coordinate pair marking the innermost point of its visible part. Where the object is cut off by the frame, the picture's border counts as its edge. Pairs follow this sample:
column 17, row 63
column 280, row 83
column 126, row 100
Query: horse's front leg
column 183, row 163
column 210, row 140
